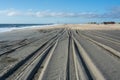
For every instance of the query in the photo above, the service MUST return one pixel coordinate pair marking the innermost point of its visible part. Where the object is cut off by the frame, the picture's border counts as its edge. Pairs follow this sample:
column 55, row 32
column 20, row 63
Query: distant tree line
column 109, row 22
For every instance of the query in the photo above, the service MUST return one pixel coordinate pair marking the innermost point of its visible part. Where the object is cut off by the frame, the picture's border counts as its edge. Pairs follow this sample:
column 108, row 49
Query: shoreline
column 21, row 33
column 72, row 26
column 9, row 29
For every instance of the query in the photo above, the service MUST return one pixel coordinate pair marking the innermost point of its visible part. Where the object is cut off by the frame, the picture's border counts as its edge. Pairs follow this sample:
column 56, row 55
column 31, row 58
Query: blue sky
column 59, row 11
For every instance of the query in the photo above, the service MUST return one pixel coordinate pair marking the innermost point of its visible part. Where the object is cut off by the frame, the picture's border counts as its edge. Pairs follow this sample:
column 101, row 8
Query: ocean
column 9, row 27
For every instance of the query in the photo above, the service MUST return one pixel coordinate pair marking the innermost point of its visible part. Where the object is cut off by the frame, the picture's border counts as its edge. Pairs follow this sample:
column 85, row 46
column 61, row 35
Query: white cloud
column 112, row 13
column 12, row 13
column 9, row 12
column 46, row 13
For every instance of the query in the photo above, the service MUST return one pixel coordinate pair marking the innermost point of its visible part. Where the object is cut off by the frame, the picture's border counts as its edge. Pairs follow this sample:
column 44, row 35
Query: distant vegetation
column 111, row 22
column 92, row 23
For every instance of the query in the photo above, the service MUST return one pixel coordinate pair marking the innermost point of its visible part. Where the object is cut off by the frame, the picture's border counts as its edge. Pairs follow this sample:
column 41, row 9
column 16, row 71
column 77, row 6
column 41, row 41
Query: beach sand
column 16, row 45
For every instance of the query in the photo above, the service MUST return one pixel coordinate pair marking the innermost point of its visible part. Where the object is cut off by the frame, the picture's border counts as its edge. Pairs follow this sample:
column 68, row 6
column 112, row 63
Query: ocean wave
column 8, row 29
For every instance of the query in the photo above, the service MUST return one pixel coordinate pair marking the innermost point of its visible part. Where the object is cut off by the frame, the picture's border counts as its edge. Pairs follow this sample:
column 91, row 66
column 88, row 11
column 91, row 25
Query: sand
column 71, row 43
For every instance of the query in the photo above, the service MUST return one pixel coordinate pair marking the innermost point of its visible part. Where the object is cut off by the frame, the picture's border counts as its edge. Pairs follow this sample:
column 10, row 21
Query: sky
column 59, row 11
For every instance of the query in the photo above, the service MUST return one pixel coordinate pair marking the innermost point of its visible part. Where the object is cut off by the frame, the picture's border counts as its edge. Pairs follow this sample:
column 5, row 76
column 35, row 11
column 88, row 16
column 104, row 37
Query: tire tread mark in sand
column 12, row 50
column 12, row 70
column 70, row 62
column 67, row 70
column 111, row 52
column 108, row 39
column 83, row 63
column 18, row 65
column 34, row 71
column 37, row 67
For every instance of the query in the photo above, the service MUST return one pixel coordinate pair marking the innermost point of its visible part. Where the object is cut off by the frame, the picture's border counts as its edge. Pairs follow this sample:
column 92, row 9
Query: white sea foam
column 7, row 29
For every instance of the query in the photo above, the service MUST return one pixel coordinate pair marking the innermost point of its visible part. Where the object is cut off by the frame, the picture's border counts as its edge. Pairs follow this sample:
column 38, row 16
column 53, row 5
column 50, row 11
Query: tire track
column 36, row 68
column 70, row 62
column 16, row 46
column 108, row 35
column 81, row 70
column 47, row 62
column 104, row 61
column 21, row 44
column 49, row 70
column 97, row 35
column 92, row 71
column 107, row 48
column 30, row 64
column 112, row 51
column 18, row 65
